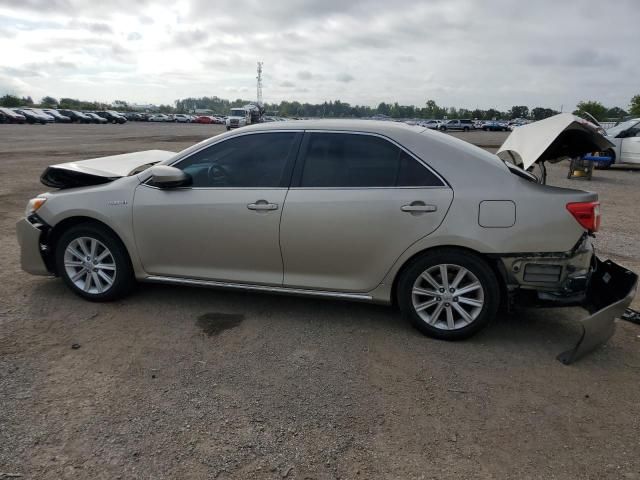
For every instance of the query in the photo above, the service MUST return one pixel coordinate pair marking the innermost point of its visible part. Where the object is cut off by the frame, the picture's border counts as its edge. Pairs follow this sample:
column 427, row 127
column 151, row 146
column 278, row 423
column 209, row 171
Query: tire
column 228, row 128
column 119, row 269
column 606, row 165
column 465, row 129
column 449, row 323
column 443, row 129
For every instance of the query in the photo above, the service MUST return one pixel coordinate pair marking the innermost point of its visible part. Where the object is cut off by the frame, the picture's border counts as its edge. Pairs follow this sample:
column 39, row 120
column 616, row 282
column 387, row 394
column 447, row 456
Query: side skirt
column 259, row 288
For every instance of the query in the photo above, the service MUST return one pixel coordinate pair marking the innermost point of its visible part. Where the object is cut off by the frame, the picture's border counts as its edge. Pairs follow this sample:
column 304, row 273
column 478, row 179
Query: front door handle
column 262, row 205
column 418, row 207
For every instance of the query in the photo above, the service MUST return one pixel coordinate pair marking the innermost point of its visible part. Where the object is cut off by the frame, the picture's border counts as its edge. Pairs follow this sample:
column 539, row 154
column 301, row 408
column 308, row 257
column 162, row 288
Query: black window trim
column 301, row 159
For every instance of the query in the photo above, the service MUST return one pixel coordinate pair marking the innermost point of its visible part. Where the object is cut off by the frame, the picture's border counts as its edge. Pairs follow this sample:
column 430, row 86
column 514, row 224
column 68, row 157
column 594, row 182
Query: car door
column 225, row 226
column 357, row 201
column 630, row 146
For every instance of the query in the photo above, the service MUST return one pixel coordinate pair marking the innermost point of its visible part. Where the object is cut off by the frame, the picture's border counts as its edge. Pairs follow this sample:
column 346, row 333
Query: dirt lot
column 193, row 383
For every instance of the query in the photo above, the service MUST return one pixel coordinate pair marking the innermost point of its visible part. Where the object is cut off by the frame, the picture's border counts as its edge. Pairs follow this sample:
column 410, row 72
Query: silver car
column 361, row 210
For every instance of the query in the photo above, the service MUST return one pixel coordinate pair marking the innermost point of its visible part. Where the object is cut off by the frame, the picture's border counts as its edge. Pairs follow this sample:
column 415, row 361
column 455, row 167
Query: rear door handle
column 418, row 207
column 262, row 205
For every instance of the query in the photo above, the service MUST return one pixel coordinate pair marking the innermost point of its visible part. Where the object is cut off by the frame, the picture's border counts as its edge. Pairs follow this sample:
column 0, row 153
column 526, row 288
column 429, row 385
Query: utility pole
column 259, row 84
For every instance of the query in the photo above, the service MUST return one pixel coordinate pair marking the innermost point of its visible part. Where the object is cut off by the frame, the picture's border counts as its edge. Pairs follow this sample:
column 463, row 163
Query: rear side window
column 352, row 160
column 345, row 160
column 413, row 174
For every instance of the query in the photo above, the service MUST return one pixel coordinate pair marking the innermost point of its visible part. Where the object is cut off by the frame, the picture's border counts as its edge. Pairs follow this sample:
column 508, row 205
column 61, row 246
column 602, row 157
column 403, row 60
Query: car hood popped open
column 101, row 170
column 554, row 138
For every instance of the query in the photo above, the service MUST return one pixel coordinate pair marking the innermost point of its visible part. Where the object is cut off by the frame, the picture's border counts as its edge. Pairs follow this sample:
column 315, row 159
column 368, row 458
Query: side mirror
column 164, row 176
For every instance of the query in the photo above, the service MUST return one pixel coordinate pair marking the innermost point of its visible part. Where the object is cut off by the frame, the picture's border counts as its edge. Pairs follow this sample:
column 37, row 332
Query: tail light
column 586, row 213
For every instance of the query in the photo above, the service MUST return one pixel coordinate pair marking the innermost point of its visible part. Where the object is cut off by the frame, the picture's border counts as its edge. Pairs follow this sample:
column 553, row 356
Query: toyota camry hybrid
column 362, row 210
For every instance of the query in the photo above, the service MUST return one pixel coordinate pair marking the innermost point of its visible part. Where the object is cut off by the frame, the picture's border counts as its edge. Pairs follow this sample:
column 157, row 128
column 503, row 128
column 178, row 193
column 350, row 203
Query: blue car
column 494, row 126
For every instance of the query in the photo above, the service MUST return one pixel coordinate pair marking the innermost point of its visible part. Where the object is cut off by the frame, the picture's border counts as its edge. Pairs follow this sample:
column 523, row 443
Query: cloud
column 462, row 53
column 94, row 27
column 189, row 38
column 304, row 75
column 345, row 77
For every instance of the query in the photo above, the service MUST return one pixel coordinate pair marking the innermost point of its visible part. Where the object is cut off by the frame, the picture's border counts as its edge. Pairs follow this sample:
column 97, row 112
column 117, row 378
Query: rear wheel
column 94, row 263
column 465, row 129
column 449, row 294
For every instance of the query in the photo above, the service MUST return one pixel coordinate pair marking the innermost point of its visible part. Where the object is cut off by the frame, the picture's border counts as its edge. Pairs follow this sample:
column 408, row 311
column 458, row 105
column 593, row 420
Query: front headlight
column 34, row 205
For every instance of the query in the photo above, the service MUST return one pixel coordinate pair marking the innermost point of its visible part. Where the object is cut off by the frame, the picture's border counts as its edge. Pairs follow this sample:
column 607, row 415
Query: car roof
column 445, row 153
column 364, row 126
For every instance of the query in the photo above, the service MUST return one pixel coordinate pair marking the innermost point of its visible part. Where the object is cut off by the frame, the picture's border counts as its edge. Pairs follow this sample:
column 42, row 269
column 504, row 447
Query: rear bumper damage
column 611, row 290
column 575, row 278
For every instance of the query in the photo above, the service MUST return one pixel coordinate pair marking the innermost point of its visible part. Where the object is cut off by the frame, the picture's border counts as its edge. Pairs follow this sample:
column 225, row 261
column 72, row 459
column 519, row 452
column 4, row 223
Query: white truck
column 247, row 115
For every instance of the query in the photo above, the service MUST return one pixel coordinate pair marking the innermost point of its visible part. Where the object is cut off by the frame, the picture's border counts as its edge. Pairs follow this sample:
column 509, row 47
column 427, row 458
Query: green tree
column 540, row 113
column 634, row 106
column 616, row 113
column 492, row 114
column 10, row 101
column 592, row 107
column 519, row 111
column 48, row 102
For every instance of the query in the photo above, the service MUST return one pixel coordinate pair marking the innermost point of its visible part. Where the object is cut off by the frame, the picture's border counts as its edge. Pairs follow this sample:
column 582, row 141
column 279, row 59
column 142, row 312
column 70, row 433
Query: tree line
column 337, row 108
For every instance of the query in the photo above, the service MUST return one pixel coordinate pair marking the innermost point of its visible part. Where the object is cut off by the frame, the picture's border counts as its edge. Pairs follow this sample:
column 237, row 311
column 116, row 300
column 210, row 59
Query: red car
column 204, row 119
column 9, row 116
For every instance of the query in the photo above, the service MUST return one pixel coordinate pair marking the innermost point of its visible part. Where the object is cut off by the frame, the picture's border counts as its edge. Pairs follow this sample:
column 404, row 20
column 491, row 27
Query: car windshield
column 237, row 112
column 615, row 131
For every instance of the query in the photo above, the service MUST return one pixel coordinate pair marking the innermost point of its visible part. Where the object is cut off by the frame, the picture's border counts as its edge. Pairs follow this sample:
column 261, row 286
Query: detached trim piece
column 64, row 178
column 259, row 288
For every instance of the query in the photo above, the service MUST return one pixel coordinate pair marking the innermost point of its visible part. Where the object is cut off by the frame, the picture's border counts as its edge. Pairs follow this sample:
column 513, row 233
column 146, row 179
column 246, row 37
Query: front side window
column 247, row 161
column 338, row 160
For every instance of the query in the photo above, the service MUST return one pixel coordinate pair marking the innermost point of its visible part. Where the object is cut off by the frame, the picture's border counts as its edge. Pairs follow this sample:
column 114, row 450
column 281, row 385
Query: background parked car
column 181, row 118
column 59, row 118
column 12, row 117
column 111, row 116
column 75, row 116
column 48, row 118
column 96, row 118
column 205, row 119
column 464, row 125
column 30, row 116
column 626, row 138
column 494, row 126
column 160, row 117
column 432, row 124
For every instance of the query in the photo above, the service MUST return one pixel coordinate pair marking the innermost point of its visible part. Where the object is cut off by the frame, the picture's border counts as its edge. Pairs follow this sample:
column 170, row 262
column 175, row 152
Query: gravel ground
column 192, row 383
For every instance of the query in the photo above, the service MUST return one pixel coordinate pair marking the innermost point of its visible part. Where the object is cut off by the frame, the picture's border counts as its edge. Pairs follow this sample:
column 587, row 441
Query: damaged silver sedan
column 360, row 210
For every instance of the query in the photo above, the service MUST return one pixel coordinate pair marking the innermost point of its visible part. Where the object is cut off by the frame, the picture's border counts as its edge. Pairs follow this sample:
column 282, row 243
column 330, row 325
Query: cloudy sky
column 464, row 53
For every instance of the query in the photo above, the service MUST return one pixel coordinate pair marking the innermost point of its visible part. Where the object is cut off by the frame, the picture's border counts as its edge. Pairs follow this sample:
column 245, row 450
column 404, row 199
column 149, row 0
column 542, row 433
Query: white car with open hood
column 371, row 211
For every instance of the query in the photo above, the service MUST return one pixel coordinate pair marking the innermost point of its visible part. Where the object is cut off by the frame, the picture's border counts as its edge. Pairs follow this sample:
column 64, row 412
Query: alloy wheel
column 447, row 296
column 90, row 265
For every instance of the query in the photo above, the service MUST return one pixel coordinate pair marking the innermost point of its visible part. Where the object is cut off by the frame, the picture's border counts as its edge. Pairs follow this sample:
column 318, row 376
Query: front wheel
column 94, row 263
column 606, row 165
column 449, row 294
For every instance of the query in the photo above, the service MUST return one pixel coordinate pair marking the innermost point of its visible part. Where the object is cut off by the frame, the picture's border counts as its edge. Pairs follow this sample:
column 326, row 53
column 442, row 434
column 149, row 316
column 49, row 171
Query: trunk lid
column 554, row 138
column 101, row 170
